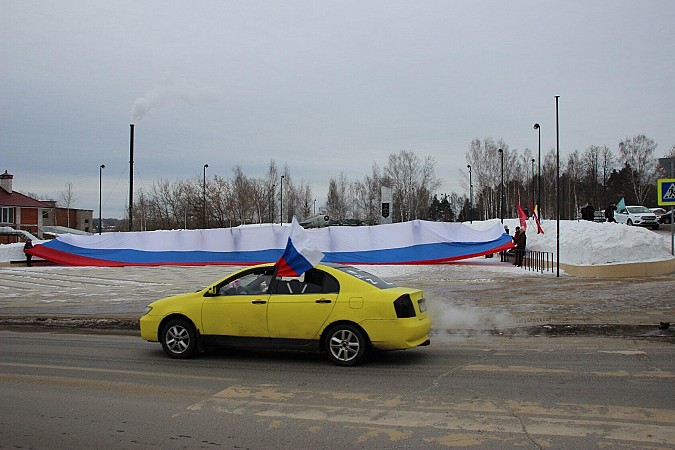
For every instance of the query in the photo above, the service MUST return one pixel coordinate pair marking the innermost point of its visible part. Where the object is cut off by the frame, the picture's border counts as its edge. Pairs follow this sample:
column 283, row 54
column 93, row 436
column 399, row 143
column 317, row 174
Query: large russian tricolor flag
column 415, row 242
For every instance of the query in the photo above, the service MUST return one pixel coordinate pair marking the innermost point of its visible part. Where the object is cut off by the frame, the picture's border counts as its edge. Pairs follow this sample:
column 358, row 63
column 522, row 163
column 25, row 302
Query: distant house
column 20, row 212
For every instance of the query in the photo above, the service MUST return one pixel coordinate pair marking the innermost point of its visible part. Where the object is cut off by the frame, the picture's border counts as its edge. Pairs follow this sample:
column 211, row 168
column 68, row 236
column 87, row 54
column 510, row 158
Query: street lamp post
column 314, row 206
column 281, row 202
column 470, row 195
column 501, row 188
column 100, row 184
column 532, row 187
column 204, row 198
column 538, row 128
column 557, row 182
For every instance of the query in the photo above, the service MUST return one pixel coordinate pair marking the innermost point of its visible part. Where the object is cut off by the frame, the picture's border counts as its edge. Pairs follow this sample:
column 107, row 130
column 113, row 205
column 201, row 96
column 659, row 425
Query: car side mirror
column 211, row 292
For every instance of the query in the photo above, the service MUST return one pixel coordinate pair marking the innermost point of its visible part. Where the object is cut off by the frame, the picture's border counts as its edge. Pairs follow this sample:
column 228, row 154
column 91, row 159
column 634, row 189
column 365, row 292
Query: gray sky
column 324, row 87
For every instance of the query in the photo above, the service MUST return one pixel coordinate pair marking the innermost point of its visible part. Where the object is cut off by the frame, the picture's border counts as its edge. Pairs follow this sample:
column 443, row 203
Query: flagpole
column 557, row 183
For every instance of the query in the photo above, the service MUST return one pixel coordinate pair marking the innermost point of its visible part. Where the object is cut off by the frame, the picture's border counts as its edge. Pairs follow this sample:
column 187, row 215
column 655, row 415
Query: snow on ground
column 581, row 242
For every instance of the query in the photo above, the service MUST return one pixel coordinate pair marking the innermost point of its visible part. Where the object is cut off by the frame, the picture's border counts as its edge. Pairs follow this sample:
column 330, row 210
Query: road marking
column 374, row 413
column 660, row 374
column 116, row 371
column 624, row 352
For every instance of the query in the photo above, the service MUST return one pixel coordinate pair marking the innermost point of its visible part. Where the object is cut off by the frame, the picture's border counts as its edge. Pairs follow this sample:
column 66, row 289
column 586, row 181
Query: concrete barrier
column 626, row 270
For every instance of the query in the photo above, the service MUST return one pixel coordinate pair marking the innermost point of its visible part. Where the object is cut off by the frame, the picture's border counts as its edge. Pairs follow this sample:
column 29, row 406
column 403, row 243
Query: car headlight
column 147, row 310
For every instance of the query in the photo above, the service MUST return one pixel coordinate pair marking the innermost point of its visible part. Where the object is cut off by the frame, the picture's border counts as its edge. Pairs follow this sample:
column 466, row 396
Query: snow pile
column 591, row 243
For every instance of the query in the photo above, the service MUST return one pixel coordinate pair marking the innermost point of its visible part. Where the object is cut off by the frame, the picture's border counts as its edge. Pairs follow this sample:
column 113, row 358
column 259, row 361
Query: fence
column 532, row 260
column 538, row 261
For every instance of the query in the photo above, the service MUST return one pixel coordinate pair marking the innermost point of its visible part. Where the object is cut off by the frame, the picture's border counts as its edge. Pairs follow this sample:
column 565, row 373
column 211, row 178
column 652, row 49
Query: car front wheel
column 629, row 223
column 179, row 339
column 346, row 345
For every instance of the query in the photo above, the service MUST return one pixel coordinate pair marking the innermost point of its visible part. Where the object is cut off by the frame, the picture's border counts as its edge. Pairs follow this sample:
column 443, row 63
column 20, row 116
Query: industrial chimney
column 131, row 178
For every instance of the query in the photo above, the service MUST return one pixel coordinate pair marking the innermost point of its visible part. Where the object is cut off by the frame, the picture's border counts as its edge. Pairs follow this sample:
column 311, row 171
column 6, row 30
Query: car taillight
column 404, row 307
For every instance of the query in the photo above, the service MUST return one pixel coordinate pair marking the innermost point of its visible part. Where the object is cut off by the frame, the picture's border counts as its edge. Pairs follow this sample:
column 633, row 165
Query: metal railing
column 532, row 260
column 538, row 261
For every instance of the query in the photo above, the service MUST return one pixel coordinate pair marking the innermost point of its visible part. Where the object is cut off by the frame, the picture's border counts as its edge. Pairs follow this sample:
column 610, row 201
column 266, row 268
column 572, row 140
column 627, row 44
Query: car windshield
column 367, row 277
column 638, row 209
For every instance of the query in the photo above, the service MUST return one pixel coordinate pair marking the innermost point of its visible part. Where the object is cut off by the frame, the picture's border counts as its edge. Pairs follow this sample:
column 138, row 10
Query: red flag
column 540, row 230
column 523, row 217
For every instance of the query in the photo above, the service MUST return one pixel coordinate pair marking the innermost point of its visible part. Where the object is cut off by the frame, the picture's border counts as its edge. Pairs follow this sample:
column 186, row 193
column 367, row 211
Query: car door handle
column 323, row 300
column 259, row 302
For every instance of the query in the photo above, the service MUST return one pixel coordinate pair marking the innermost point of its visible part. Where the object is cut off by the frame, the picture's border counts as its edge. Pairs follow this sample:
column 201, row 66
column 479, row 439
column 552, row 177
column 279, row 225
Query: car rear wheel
column 346, row 345
column 179, row 339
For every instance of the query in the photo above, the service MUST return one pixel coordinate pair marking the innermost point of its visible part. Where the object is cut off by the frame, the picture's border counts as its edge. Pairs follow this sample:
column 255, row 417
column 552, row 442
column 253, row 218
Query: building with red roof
column 21, row 212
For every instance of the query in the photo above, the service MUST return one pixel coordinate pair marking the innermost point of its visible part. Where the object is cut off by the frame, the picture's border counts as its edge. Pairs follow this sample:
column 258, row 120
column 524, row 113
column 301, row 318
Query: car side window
column 254, row 282
column 314, row 281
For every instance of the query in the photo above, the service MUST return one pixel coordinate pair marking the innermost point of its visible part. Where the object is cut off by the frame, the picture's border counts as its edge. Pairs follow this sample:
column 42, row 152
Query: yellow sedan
column 337, row 309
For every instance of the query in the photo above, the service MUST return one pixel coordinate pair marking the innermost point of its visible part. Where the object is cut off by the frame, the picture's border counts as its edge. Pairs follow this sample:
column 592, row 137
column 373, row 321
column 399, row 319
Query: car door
column 238, row 307
column 297, row 309
column 621, row 216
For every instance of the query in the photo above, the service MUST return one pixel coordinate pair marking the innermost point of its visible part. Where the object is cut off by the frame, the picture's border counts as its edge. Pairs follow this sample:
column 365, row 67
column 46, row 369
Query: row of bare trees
column 597, row 175
column 222, row 202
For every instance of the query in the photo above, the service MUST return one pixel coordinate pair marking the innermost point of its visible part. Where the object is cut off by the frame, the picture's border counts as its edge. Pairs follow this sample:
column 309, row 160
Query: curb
column 125, row 326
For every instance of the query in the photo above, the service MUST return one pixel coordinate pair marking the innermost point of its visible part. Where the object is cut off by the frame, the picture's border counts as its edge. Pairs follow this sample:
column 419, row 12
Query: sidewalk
column 475, row 296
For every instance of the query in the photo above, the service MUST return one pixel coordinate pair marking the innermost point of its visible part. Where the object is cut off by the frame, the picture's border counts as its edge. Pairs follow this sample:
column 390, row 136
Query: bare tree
column 67, row 199
column 456, row 203
column 638, row 153
column 366, row 196
column 337, row 203
column 412, row 181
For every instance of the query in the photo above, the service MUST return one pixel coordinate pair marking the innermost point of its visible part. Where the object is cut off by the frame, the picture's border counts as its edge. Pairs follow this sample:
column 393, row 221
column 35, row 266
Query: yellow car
column 338, row 309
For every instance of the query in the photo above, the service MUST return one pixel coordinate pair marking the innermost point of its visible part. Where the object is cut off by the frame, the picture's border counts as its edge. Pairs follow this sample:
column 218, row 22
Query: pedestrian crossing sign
column 666, row 191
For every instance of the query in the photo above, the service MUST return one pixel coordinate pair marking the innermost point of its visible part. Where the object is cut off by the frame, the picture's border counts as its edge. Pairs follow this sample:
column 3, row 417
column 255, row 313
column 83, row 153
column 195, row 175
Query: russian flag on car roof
column 300, row 255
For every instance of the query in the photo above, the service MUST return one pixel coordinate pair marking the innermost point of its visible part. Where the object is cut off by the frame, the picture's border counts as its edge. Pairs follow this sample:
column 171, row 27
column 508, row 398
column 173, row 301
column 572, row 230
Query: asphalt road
column 108, row 391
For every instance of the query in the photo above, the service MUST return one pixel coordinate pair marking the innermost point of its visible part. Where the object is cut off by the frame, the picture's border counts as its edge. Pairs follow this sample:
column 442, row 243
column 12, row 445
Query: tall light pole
column 557, row 181
column 314, row 206
column 532, row 187
column 501, row 189
column 281, row 202
column 470, row 195
column 204, row 198
column 100, row 184
column 538, row 128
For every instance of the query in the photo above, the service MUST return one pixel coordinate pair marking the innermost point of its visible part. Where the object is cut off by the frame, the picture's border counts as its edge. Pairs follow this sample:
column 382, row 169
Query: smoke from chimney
column 167, row 94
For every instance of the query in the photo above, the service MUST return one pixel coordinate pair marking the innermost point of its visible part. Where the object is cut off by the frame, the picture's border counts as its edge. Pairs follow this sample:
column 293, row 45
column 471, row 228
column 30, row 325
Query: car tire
column 629, row 223
column 179, row 339
column 346, row 345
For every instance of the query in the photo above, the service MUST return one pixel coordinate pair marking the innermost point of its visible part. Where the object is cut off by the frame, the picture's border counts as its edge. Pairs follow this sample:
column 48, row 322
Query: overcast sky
column 323, row 86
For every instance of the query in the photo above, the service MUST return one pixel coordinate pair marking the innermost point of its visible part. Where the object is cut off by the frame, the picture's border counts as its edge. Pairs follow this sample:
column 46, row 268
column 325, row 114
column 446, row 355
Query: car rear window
column 367, row 277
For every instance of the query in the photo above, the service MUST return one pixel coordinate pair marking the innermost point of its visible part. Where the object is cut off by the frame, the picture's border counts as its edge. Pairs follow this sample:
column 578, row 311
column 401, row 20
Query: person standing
column 609, row 212
column 27, row 246
column 588, row 212
column 520, row 240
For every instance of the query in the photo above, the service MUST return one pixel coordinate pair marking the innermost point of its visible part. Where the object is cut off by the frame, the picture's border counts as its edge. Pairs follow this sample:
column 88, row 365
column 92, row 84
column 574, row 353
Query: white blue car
column 637, row 215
